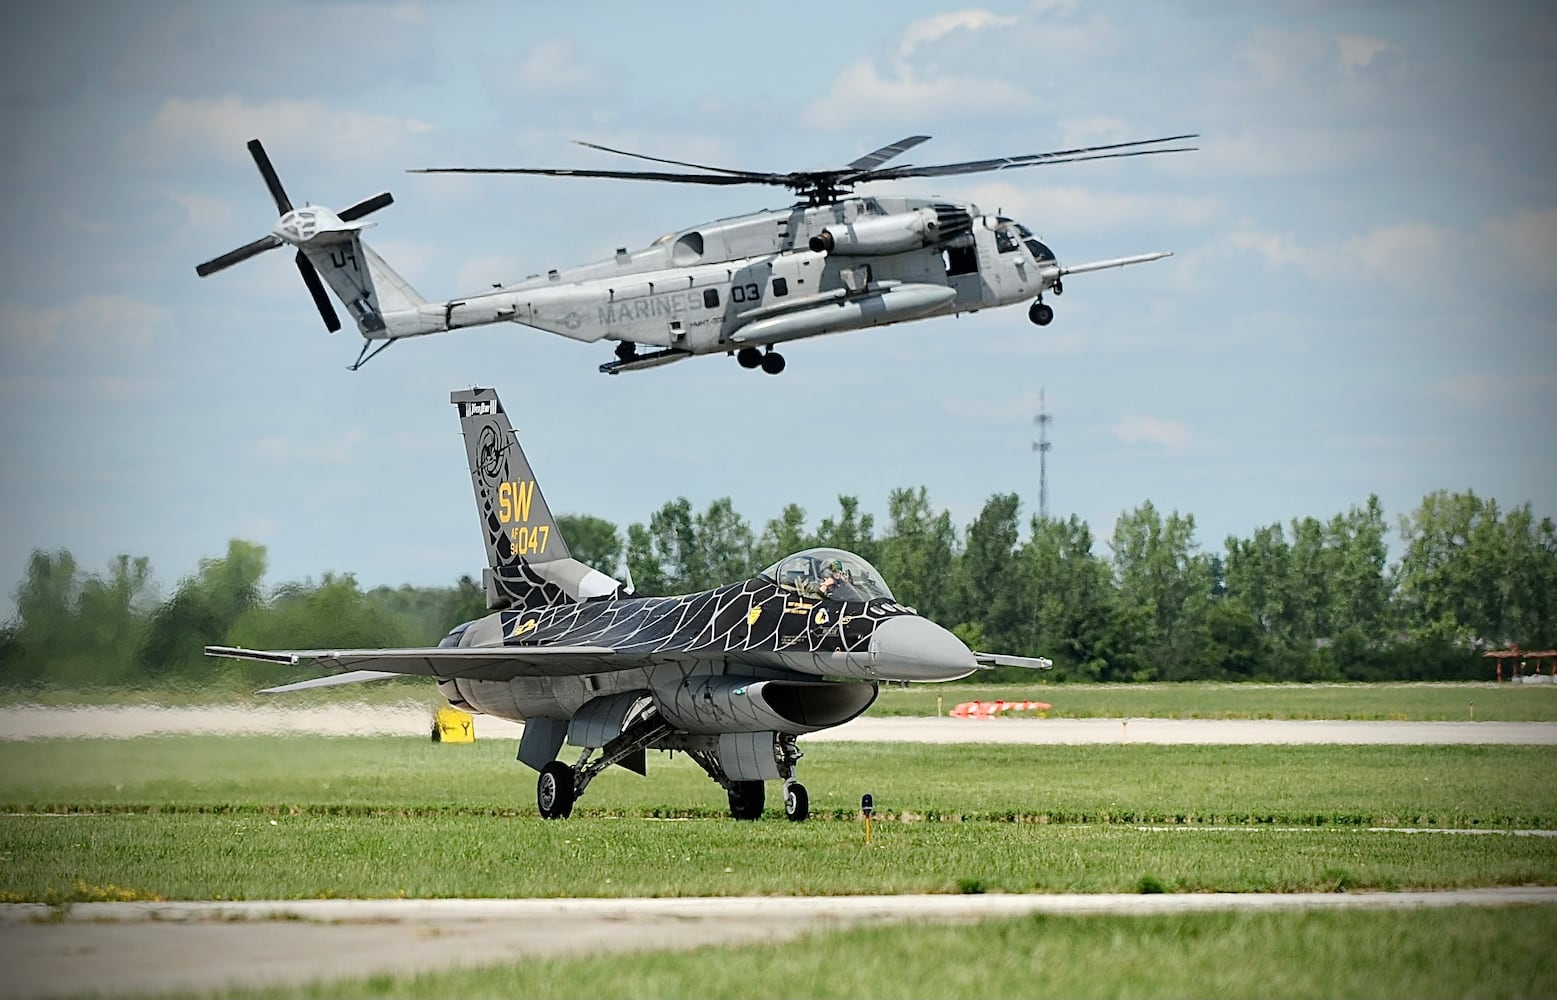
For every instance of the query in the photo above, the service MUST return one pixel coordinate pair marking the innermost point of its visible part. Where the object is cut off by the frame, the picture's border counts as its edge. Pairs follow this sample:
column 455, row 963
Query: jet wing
column 989, row 660
column 492, row 663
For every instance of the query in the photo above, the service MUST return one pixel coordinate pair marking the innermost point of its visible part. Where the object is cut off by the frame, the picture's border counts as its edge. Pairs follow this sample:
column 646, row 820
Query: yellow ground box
column 450, row 725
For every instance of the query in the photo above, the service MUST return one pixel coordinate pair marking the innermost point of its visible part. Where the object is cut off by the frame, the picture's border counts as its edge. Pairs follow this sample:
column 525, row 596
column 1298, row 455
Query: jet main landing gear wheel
column 1040, row 314
column 554, row 792
column 747, row 799
column 797, row 804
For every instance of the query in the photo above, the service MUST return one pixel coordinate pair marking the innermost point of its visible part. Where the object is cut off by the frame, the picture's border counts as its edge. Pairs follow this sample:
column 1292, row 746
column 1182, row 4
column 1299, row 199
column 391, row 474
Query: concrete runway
column 203, row 947
column 126, row 722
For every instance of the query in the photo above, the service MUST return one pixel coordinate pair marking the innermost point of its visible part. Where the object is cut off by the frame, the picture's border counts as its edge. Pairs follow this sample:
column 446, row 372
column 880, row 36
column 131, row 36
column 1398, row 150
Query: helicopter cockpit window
column 1040, row 252
column 1005, row 240
column 831, row 573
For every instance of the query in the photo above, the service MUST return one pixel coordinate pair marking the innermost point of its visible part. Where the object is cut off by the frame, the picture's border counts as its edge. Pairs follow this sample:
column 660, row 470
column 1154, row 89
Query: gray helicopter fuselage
column 756, row 280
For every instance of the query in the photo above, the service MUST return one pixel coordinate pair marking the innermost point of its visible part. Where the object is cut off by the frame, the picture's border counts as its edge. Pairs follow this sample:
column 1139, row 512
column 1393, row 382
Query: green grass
column 81, row 858
column 1456, row 952
column 276, row 817
column 1414, row 702
column 1490, row 786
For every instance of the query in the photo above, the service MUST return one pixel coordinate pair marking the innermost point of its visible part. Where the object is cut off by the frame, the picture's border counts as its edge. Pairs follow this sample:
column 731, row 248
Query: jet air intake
column 723, row 704
column 897, row 233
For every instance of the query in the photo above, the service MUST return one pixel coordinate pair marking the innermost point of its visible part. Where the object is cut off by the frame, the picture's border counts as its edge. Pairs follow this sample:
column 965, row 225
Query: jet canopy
column 831, row 573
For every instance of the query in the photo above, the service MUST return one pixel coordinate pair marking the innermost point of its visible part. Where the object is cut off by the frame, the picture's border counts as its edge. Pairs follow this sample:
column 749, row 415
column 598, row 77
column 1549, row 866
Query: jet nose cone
column 911, row 648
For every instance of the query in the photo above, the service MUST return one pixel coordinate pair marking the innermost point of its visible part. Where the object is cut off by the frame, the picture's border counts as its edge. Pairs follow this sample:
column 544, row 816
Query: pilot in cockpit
column 831, row 576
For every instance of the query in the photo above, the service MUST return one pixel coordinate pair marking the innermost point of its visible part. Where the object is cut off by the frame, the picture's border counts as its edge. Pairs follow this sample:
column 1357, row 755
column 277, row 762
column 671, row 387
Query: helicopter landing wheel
column 772, row 363
column 626, row 350
column 1041, row 314
column 748, row 357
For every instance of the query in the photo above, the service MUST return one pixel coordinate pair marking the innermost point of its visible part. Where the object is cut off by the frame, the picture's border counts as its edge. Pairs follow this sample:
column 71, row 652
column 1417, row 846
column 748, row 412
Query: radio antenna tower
column 1042, row 446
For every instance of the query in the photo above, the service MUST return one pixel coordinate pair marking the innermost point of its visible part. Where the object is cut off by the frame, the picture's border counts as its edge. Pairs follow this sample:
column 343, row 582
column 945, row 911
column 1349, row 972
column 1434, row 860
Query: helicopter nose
column 911, row 648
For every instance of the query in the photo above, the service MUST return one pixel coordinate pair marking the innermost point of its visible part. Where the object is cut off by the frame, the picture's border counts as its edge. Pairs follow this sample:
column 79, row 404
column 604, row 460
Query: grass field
column 270, row 817
column 1415, row 702
column 1458, row 952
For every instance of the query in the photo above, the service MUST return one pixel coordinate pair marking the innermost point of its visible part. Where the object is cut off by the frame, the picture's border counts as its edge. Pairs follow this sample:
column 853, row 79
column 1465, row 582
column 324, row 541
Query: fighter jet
column 729, row 676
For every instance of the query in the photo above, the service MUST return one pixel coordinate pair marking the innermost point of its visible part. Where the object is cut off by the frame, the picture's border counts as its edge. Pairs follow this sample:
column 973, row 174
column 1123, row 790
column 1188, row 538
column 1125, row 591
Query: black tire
column 1041, row 314
column 554, row 792
column 773, row 363
column 748, row 357
column 797, row 804
column 626, row 350
column 747, row 799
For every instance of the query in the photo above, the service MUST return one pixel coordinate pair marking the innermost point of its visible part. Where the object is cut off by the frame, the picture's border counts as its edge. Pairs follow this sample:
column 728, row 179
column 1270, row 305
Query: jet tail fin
column 528, row 563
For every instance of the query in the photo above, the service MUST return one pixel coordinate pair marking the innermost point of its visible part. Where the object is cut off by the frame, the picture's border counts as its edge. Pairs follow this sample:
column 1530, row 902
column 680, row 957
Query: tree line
column 1309, row 600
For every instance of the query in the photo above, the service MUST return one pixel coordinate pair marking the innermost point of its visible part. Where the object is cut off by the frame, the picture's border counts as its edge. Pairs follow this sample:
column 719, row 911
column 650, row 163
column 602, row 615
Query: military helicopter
column 831, row 262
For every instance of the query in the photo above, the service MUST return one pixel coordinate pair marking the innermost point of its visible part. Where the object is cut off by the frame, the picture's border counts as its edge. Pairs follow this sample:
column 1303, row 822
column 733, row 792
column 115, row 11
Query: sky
column 1360, row 301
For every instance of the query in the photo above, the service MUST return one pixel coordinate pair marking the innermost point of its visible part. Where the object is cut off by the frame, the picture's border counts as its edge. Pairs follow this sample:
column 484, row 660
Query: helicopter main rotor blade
column 630, row 175
column 872, row 160
column 332, row 322
column 366, row 206
column 676, row 163
column 969, row 168
column 1029, row 160
column 283, row 203
column 243, row 253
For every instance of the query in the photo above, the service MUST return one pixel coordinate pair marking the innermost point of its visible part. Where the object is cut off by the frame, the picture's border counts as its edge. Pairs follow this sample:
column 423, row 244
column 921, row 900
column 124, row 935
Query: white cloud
column 202, row 211
column 1357, row 52
column 1512, row 250
column 1151, row 430
column 87, row 322
column 1055, row 209
column 551, row 68
column 1407, row 254
column 1278, row 152
column 932, row 29
column 903, row 97
column 908, row 93
column 224, row 125
column 1283, row 60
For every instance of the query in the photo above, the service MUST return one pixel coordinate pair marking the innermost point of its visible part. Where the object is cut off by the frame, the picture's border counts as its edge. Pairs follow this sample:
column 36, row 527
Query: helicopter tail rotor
column 311, row 229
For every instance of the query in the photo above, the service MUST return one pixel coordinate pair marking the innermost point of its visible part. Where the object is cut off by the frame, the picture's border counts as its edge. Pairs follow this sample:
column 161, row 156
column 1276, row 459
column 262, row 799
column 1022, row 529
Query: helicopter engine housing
column 880, row 234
